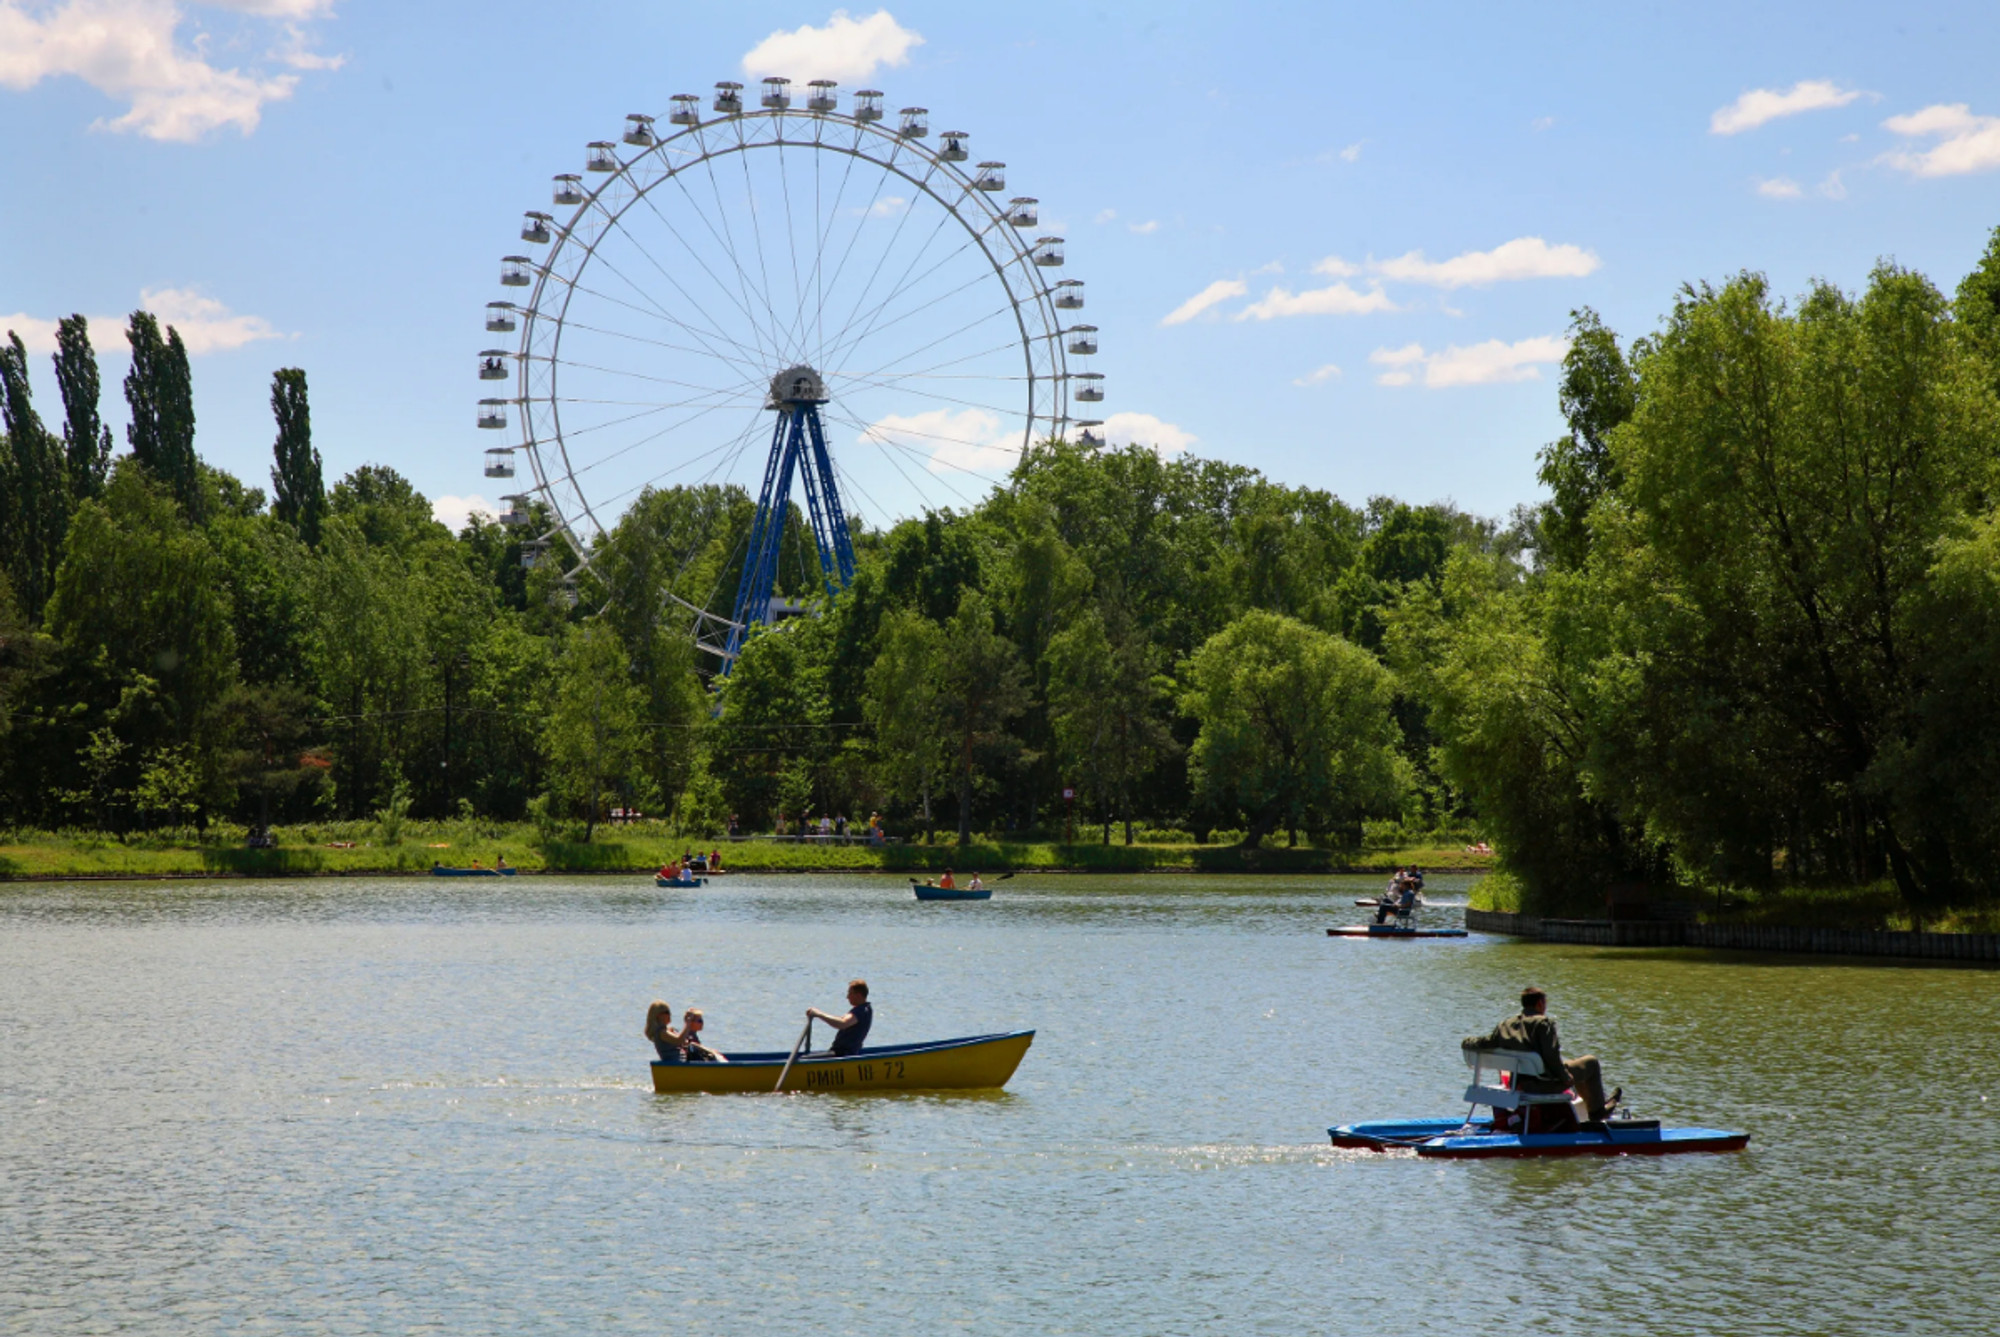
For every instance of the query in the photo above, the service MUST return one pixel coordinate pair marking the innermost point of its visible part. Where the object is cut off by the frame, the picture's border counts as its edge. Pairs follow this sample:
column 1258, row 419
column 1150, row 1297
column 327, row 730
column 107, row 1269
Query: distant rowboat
column 439, row 870
column 931, row 891
column 972, row 1063
column 682, row 881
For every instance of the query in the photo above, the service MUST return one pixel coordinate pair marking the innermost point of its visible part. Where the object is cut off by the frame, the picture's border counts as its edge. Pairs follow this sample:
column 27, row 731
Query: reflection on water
column 369, row 1106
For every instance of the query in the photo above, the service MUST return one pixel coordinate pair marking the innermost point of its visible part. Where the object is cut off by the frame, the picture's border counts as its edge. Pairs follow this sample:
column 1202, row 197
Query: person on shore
column 667, row 1042
column 715, row 861
column 697, row 1052
column 851, row 1029
column 1533, row 1031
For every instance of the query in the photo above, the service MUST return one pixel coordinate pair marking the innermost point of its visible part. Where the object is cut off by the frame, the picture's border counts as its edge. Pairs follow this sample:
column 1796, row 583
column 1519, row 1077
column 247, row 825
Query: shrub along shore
column 352, row 849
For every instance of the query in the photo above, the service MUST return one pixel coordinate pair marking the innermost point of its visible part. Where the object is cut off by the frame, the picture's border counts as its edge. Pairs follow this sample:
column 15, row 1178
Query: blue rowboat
column 682, row 881
column 927, row 892
column 440, row 870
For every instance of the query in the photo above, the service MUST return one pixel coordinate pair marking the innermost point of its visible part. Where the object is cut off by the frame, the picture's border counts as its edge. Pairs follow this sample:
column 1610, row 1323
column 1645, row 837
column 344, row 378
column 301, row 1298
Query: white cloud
column 889, row 207
column 1833, row 187
column 1778, row 188
column 1521, row 258
column 1143, row 429
column 127, row 50
column 1219, row 291
column 455, row 512
column 1336, row 300
column 967, row 439
column 1144, row 229
column 1319, row 375
column 1336, row 268
column 1489, row 363
column 1105, row 215
column 205, row 325
column 1274, row 267
column 846, row 48
column 1352, row 153
column 1762, row 105
column 1967, row 143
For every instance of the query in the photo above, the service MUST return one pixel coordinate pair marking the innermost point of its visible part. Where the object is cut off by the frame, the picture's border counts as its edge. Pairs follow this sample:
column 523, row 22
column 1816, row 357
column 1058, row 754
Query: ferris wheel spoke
column 648, row 439
column 713, row 327
column 727, row 238
column 862, row 216
column 823, row 235
column 876, row 436
column 757, row 235
column 740, row 361
column 792, row 245
column 721, row 454
column 626, row 372
column 873, row 328
column 759, row 355
column 1004, row 310
column 888, row 248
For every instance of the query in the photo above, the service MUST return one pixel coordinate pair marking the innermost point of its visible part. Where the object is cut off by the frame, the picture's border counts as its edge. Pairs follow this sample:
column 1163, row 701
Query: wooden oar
column 785, row 1072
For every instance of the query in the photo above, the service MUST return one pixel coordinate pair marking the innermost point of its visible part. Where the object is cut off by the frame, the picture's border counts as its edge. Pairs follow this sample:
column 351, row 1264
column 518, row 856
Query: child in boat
column 667, row 1042
column 697, row 1052
column 975, row 884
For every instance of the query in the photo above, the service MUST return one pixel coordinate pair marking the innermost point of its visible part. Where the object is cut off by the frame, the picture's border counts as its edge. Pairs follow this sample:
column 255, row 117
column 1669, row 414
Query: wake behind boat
column 970, row 1063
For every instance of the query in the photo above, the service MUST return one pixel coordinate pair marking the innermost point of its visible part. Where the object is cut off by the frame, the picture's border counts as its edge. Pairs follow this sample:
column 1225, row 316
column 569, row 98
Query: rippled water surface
column 412, row 1106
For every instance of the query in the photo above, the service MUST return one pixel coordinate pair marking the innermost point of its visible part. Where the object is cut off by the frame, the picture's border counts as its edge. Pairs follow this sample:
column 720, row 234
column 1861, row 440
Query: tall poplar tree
column 298, row 494
column 33, row 491
column 160, row 390
column 86, row 440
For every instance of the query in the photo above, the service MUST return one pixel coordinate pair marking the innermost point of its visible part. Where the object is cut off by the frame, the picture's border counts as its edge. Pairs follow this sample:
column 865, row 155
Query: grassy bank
column 361, row 848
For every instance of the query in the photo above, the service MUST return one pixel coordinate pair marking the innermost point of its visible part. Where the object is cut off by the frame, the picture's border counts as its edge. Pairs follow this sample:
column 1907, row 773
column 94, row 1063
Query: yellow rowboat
column 973, row 1063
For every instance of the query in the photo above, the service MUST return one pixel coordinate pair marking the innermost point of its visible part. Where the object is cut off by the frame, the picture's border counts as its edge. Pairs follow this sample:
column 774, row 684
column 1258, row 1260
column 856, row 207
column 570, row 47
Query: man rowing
column 852, row 1029
column 1533, row 1031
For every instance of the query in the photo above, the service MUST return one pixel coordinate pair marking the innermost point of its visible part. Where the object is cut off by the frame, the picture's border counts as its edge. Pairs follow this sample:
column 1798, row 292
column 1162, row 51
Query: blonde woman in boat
column 671, row 1044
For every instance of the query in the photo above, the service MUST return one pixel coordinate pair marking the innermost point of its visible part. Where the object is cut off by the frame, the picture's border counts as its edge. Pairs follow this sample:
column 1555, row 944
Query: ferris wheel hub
column 795, row 386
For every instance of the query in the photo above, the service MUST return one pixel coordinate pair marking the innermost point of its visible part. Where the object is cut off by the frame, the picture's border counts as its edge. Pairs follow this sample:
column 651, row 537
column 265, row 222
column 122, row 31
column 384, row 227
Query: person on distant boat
column 667, row 1042
column 697, row 1052
column 1533, row 1031
column 975, row 884
column 1400, row 900
column 500, row 862
column 671, row 871
column 947, row 882
column 715, row 861
column 477, row 864
column 851, row 1029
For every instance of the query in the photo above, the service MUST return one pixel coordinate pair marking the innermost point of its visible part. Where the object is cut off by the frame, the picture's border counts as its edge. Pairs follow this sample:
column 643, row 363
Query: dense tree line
column 1754, row 635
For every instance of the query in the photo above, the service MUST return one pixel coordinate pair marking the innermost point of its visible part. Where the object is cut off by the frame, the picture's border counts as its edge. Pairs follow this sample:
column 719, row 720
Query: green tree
column 1759, row 589
column 1977, row 309
column 904, row 705
column 159, row 389
column 982, row 688
column 593, row 731
column 1102, row 699
column 86, row 440
column 34, row 492
column 298, row 497
column 1295, row 729
column 1599, row 394
column 771, row 742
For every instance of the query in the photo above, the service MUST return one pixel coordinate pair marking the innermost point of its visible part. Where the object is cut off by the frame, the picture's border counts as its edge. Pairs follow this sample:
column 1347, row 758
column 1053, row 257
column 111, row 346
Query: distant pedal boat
column 1393, row 931
column 972, row 1063
column 682, row 881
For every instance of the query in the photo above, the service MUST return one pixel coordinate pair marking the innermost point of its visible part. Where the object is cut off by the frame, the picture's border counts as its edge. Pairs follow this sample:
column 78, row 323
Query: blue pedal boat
column 1474, row 1138
column 1393, row 931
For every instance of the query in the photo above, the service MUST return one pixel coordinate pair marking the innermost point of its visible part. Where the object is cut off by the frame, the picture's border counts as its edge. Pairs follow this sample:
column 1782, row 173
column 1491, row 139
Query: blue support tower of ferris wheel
column 798, row 444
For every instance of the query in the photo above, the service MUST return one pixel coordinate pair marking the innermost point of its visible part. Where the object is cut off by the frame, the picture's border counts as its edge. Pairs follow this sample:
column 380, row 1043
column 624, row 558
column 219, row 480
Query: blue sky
column 1390, row 210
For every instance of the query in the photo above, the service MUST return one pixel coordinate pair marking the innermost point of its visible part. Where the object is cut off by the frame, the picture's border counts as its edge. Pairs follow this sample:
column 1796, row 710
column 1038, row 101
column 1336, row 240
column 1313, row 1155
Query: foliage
column 34, row 487
column 159, row 389
column 1295, row 729
column 298, row 497
column 86, row 440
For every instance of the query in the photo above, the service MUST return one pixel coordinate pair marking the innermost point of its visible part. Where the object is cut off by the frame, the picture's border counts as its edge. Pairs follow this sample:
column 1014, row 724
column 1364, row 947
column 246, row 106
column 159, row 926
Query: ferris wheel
column 770, row 296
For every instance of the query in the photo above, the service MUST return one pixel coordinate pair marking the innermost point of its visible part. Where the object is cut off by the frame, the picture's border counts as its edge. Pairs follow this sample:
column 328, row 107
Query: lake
column 374, row 1106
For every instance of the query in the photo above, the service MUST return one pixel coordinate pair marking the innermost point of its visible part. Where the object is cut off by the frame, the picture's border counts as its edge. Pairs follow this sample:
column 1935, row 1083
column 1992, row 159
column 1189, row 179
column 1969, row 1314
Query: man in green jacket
column 1534, row 1032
